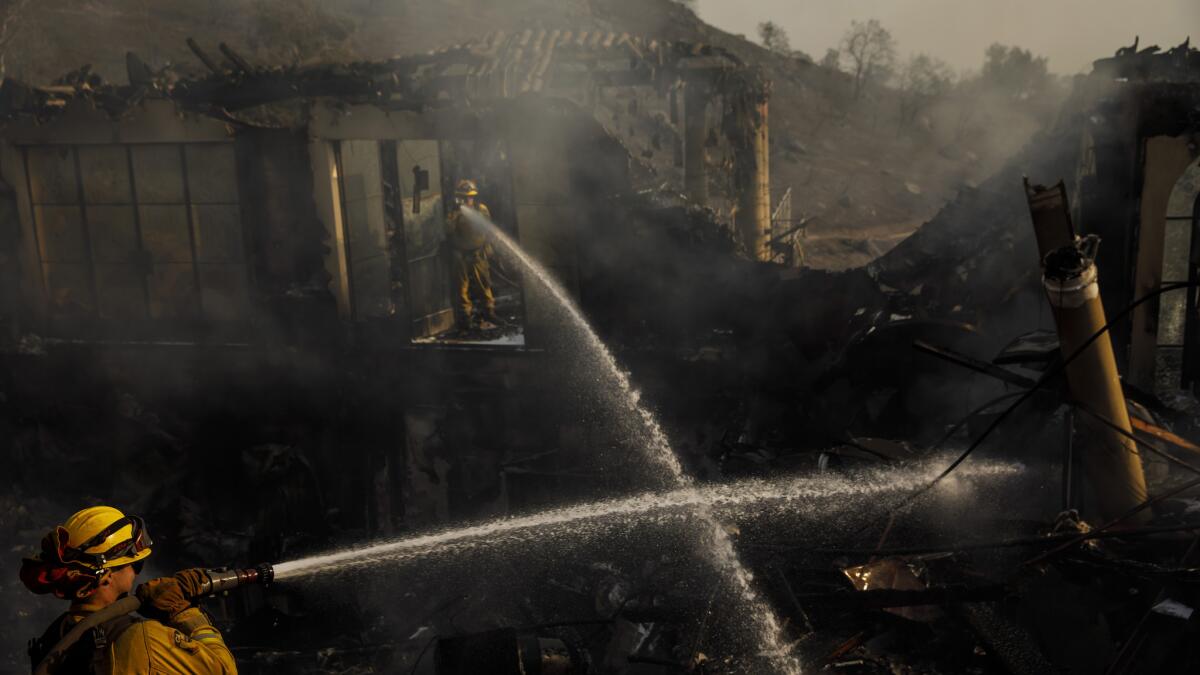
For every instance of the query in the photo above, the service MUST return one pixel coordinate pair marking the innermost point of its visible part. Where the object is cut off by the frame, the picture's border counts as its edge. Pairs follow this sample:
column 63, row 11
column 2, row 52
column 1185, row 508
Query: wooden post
column 695, row 133
column 753, row 175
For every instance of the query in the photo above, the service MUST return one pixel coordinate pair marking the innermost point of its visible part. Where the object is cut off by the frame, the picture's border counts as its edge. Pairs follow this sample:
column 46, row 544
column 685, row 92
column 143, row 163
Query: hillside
column 864, row 182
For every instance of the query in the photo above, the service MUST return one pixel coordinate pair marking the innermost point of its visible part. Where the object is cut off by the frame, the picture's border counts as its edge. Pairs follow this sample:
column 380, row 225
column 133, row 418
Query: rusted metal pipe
column 1051, row 219
column 1111, row 460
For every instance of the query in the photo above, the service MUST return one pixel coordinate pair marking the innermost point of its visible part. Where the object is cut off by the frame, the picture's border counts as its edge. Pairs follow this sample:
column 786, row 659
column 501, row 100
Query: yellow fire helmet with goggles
column 78, row 554
column 466, row 188
column 101, row 537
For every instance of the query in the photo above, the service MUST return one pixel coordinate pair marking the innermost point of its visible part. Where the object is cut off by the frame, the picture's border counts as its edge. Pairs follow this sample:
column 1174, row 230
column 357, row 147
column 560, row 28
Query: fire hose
column 220, row 580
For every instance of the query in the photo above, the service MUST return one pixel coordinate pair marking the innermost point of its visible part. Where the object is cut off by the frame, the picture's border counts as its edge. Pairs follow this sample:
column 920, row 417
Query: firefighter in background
column 470, row 264
column 92, row 561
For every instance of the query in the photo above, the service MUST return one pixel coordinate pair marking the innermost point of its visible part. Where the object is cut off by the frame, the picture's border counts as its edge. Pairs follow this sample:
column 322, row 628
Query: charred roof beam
column 204, row 58
column 241, row 64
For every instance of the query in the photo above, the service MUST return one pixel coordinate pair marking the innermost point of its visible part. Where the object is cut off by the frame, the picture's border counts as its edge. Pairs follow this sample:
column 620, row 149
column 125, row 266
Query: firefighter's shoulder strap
column 89, row 655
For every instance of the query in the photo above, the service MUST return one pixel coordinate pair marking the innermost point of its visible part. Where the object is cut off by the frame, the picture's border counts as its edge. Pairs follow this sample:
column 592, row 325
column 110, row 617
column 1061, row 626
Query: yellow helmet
column 466, row 188
column 101, row 537
column 78, row 554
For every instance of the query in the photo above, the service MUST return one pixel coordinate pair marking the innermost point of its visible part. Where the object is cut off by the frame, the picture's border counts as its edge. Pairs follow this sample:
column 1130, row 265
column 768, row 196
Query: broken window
column 130, row 235
column 396, row 201
column 1179, row 313
column 1177, row 246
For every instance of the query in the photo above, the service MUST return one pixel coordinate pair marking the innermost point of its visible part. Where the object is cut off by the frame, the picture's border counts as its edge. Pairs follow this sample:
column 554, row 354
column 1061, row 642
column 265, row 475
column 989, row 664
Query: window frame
column 194, row 322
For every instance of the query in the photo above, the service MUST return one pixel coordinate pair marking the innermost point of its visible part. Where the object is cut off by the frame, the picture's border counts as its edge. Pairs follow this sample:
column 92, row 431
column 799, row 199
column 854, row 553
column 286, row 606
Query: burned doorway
column 485, row 292
column 398, row 204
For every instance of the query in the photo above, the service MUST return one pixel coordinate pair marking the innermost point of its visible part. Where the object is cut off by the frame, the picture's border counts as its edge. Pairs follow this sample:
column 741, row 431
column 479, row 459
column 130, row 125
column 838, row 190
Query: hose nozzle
column 224, row 579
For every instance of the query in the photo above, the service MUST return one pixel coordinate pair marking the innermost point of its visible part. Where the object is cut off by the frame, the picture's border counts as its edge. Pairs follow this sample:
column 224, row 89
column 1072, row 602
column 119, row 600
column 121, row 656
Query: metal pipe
column 1051, row 217
column 223, row 579
column 1111, row 460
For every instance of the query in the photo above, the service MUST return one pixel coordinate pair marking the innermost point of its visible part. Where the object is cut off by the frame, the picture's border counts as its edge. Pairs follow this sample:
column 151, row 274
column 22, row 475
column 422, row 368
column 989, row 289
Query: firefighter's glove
column 164, row 598
column 192, row 581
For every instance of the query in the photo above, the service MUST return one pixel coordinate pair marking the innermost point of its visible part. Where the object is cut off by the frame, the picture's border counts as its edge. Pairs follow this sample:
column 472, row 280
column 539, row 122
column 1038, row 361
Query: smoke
column 1055, row 30
column 297, row 440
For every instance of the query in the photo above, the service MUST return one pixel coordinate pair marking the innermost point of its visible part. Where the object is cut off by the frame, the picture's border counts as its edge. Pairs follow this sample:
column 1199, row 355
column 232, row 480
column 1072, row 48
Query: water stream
column 652, row 441
column 824, row 498
column 678, row 496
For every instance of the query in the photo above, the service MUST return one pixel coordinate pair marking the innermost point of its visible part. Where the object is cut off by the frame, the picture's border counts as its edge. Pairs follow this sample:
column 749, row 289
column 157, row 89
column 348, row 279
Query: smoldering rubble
column 228, row 307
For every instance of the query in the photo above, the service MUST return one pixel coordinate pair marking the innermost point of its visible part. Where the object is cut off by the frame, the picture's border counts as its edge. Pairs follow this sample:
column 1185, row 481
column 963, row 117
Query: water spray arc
column 790, row 496
column 765, row 625
column 683, row 498
column 658, row 449
column 817, row 495
column 821, row 496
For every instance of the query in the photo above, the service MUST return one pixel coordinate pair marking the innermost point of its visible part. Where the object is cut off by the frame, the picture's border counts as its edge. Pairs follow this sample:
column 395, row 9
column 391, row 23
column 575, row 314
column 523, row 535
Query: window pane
column 1171, row 318
column 1172, row 306
column 1176, row 245
column 157, row 174
column 105, row 171
column 1183, row 195
column 165, row 233
column 52, row 175
column 212, row 173
column 120, row 291
column 224, row 292
column 218, row 234
column 365, row 226
column 60, row 233
column 69, row 287
column 114, row 237
column 172, row 291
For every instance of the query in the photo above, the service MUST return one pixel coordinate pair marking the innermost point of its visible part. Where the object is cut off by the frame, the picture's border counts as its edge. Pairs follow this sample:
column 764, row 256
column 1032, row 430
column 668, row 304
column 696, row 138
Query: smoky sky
column 1071, row 33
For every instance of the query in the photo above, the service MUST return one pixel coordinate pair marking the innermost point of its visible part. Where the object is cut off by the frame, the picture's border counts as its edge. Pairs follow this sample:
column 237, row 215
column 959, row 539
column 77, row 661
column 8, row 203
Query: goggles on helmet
column 138, row 542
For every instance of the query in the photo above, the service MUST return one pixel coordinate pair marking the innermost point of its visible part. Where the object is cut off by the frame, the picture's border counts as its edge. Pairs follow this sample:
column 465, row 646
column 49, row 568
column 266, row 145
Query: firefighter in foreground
column 470, row 262
column 92, row 561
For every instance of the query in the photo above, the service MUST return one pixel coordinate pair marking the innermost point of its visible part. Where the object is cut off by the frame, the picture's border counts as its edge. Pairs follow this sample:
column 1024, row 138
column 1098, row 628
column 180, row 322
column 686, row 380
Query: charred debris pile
column 1025, row 323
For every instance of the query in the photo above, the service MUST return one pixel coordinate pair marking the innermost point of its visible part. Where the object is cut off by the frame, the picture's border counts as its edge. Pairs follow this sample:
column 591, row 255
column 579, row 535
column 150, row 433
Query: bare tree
column 831, row 59
column 833, row 91
column 1015, row 71
column 774, row 38
column 870, row 52
column 922, row 80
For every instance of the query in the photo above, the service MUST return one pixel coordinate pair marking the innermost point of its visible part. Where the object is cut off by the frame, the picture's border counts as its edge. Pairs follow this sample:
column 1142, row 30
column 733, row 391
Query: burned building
column 242, row 277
